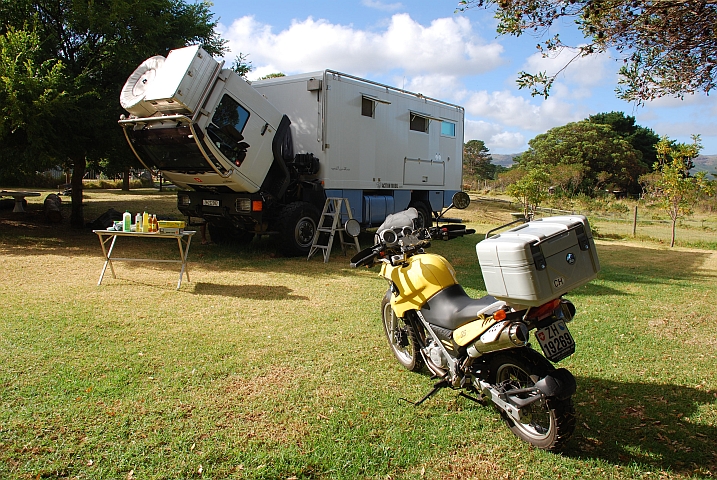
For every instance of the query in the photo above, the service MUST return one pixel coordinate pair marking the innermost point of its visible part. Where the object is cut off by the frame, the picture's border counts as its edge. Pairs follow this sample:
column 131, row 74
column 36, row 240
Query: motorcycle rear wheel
column 401, row 336
column 546, row 425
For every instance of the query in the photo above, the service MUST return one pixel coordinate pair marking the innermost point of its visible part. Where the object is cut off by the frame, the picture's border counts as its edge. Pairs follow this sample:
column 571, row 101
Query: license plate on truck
column 210, row 203
column 556, row 341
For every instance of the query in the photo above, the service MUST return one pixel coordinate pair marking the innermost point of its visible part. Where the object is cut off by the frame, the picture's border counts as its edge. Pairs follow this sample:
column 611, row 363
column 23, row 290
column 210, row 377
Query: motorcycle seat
column 452, row 307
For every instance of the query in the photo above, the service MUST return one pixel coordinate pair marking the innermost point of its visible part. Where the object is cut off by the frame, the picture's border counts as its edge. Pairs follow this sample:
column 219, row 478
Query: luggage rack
column 518, row 220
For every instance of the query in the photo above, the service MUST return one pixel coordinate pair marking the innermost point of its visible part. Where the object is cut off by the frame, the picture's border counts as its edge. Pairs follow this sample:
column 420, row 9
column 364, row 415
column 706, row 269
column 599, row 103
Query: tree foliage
column 668, row 47
column 81, row 53
column 31, row 94
column 477, row 160
column 599, row 158
column 671, row 185
column 242, row 65
column 642, row 139
column 531, row 188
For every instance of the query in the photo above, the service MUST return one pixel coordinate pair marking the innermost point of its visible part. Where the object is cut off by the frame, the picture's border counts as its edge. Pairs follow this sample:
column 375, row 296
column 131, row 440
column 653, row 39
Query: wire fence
column 632, row 221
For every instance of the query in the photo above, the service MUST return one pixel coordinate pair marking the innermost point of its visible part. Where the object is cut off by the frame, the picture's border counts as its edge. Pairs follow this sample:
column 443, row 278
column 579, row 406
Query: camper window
column 418, row 123
column 368, row 107
column 448, row 129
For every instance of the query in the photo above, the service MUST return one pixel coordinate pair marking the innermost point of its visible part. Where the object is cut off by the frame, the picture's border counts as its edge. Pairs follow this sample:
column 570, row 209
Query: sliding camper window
column 448, row 129
column 418, row 123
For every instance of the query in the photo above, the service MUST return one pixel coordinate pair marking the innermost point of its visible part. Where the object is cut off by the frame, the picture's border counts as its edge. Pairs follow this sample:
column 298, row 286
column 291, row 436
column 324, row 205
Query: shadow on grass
column 646, row 424
column 254, row 292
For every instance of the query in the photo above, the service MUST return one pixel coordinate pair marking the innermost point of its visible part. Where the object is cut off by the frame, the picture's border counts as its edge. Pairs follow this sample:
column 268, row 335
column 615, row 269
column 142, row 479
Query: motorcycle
column 479, row 347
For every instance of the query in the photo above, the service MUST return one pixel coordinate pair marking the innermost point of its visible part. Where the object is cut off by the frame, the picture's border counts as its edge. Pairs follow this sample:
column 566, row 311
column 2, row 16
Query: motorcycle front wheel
column 401, row 336
column 546, row 424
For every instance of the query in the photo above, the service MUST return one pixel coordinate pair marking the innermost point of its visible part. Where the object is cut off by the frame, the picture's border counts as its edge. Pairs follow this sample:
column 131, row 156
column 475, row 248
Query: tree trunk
column 125, row 179
column 674, row 224
column 77, row 218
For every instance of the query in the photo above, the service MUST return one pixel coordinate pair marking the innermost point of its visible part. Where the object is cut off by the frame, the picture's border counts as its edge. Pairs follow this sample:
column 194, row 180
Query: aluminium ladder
column 329, row 224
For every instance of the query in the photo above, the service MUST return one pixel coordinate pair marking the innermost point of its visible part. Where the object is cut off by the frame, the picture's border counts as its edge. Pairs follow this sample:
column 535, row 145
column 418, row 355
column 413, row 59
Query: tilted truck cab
column 261, row 158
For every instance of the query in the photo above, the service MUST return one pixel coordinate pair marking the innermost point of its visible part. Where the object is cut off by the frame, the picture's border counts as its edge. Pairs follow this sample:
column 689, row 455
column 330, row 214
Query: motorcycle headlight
column 388, row 236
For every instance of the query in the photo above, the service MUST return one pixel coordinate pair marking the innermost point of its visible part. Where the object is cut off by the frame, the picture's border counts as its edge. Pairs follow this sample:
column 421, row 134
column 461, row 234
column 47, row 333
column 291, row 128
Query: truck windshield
column 228, row 122
column 169, row 149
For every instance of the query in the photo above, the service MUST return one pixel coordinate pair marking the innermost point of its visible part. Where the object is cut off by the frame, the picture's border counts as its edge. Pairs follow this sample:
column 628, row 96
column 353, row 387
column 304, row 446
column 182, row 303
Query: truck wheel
column 297, row 225
column 424, row 219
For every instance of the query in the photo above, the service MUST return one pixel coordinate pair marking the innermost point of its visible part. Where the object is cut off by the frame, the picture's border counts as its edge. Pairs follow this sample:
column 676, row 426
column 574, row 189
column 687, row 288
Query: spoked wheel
column 402, row 338
column 546, row 424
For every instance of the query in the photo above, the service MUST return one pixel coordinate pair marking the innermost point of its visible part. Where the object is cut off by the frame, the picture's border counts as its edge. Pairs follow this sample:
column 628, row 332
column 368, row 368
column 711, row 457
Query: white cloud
column 496, row 138
column 448, row 88
column 386, row 7
column 446, row 45
column 584, row 72
column 515, row 111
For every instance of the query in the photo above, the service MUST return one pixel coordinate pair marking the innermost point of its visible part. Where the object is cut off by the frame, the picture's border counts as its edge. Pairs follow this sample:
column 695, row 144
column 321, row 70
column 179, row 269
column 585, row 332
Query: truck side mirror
column 461, row 200
column 352, row 227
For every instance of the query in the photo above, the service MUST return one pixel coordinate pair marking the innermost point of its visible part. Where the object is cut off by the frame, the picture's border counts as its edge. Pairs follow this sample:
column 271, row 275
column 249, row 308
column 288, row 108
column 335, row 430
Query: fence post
column 634, row 222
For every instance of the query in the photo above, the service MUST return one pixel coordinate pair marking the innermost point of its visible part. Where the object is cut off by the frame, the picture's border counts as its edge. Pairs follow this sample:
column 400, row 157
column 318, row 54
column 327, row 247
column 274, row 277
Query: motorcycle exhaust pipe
column 501, row 336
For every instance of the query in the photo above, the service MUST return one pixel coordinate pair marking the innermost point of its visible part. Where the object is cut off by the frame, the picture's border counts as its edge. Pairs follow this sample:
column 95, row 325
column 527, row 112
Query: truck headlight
column 184, row 200
column 243, row 205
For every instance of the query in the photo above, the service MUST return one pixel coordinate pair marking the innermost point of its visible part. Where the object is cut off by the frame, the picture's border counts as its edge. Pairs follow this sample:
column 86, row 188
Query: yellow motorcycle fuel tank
column 420, row 278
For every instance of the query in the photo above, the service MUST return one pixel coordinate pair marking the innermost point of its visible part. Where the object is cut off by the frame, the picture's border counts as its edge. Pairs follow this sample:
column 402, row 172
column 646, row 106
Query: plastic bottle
column 127, row 221
column 138, row 222
column 155, row 224
column 145, row 222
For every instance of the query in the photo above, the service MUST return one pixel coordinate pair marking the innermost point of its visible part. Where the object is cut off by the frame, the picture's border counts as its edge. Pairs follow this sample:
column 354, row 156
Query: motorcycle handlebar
column 366, row 256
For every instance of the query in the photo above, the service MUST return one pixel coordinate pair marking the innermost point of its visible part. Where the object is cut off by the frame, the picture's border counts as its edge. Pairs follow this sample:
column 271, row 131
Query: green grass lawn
column 276, row 368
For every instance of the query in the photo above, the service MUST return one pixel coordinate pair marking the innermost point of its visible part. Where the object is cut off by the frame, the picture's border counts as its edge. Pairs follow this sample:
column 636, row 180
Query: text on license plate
column 210, row 203
column 556, row 341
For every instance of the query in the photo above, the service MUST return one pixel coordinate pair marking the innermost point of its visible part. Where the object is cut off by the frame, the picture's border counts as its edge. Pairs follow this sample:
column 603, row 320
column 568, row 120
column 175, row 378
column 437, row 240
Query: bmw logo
column 570, row 258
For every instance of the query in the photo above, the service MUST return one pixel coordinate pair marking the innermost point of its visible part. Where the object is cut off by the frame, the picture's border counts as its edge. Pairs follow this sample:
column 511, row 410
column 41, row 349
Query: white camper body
column 255, row 158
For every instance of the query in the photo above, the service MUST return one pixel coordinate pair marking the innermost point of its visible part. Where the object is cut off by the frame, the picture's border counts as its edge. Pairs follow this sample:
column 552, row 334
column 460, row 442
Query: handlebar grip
column 364, row 257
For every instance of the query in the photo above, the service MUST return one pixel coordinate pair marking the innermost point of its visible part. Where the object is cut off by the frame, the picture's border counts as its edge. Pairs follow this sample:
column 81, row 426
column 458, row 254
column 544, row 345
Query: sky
column 426, row 47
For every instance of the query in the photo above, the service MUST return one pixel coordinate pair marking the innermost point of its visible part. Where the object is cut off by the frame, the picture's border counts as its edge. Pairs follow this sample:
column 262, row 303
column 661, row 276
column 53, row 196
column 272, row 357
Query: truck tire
column 297, row 224
column 424, row 219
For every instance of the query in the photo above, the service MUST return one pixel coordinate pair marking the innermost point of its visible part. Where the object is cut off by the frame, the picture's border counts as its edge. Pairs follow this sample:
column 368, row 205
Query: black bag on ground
column 105, row 220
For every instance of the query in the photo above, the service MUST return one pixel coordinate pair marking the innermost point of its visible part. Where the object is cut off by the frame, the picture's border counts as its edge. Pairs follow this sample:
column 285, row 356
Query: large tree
column 642, row 139
column 600, row 159
column 477, row 160
column 668, row 47
column 83, row 51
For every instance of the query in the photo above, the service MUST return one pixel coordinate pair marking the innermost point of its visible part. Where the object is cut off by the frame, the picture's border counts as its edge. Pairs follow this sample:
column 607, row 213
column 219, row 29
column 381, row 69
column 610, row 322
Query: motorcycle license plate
column 210, row 203
column 556, row 341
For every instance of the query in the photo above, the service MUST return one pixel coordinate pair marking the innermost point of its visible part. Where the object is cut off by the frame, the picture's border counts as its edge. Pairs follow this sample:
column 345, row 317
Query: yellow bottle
column 145, row 222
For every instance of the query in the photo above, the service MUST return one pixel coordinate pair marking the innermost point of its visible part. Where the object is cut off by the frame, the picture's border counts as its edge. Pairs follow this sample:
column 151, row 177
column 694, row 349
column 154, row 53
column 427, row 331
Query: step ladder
column 329, row 224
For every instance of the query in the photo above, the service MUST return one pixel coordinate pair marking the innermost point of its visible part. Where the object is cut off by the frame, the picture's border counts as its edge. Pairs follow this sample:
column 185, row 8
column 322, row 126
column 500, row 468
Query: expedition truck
column 261, row 158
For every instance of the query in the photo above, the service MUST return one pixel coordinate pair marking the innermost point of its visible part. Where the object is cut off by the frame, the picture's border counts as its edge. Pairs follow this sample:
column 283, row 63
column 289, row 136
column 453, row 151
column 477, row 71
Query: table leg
column 107, row 254
column 18, row 205
column 184, row 253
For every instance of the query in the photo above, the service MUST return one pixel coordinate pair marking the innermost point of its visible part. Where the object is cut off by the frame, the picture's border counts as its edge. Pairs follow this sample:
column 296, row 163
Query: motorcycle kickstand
column 477, row 400
column 436, row 387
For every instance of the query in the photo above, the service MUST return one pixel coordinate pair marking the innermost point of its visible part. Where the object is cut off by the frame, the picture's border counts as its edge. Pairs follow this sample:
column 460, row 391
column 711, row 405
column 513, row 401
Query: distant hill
column 503, row 160
column 703, row 163
column 706, row 163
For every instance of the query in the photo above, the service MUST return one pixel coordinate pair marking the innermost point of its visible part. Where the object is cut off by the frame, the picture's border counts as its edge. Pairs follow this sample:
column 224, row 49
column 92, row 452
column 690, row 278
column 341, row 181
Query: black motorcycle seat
column 452, row 307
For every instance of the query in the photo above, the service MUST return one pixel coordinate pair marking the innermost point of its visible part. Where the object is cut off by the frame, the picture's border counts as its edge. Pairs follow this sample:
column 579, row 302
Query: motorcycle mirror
column 352, row 227
column 461, row 200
